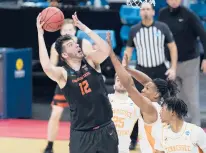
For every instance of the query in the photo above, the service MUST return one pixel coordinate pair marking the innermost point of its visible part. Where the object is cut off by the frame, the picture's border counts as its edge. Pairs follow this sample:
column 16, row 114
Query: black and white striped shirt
column 150, row 43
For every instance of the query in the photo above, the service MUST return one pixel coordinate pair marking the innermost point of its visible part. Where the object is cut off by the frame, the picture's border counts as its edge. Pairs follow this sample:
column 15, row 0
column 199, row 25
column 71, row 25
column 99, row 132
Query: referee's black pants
column 154, row 72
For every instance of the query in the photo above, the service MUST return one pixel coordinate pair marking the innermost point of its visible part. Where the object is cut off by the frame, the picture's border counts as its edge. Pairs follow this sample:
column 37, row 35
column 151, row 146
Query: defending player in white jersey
column 179, row 136
column 125, row 114
column 154, row 90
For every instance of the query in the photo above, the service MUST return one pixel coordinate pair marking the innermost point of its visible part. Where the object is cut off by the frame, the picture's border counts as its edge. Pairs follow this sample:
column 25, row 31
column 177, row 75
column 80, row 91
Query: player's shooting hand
column 78, row 23
column 203, row 66
column 39, row 25
column 171, row 74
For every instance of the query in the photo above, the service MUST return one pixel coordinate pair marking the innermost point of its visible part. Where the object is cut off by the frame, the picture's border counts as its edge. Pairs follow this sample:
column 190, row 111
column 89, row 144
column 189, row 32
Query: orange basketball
column 53, row 19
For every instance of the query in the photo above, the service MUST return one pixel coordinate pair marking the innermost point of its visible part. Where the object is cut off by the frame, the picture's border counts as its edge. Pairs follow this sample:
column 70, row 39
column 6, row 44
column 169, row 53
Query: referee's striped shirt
column 150, row 43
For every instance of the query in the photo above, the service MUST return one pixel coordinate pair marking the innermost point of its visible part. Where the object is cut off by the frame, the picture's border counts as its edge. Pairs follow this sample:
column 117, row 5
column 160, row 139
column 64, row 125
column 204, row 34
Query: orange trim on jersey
column 200, row 150
column 60, row 104
column 148, row 130
column 59, row 97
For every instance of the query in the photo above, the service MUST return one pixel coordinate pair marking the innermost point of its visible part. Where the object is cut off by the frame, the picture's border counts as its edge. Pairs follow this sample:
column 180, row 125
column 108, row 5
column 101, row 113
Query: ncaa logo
column 158, row 34
column 187, row 133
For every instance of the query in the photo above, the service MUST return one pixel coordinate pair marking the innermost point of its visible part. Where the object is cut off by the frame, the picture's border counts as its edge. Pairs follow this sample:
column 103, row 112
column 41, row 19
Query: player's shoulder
column 194, row 128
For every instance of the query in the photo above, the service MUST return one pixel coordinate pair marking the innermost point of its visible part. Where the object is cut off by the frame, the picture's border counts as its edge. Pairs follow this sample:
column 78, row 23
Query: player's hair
column 176, row 105
column 166, row 88
column 59, row 42
column 69, row 21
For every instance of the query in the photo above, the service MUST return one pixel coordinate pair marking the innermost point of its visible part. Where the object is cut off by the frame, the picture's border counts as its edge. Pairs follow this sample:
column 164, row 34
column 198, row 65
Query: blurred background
column 25, row 91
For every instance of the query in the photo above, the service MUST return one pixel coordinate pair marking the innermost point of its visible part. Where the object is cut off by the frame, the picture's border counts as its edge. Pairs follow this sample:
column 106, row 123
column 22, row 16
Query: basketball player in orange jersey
column 80, row 79
column 59, row 102
column 179, row 136
column 125, row 114
column 154, row 91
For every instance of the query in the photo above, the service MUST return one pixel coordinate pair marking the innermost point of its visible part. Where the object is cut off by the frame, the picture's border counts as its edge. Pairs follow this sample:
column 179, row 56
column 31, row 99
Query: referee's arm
column 129, row 48
column 169, row 40
column 199, row 31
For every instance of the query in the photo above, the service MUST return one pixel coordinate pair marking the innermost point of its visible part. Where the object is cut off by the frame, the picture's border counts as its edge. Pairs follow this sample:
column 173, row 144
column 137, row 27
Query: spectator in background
column 54, row 3
column 149, row 37
column 186, row 27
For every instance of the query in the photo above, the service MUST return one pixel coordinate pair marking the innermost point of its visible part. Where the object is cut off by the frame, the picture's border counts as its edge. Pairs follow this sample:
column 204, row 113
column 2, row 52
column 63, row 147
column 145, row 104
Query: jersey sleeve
column 168, row 34
column 199, row 138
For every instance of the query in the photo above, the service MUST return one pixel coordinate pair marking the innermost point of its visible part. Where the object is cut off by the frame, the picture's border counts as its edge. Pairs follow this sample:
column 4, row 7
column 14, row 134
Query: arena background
column 18, row 30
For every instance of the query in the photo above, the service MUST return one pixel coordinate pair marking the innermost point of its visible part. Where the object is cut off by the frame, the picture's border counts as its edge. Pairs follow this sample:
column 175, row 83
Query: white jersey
column 150, row 134
column 125, row 115
column 191, row 139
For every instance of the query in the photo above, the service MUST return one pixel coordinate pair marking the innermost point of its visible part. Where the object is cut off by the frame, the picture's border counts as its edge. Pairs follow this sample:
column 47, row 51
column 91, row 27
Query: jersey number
column 118, row 121
column 84, row 86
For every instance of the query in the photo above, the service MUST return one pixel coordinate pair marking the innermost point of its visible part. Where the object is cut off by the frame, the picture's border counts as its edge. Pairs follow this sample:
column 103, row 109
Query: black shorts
column 59, row 98
column 102, row 140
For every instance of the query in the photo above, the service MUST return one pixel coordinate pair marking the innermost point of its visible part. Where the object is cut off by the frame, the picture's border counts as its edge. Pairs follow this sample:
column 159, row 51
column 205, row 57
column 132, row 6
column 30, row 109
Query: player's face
column 118, row 86
column 165, row 114
column 150, row 91
column 72, row 50
column 146, row 11
column 68, row 29
column 174, row 3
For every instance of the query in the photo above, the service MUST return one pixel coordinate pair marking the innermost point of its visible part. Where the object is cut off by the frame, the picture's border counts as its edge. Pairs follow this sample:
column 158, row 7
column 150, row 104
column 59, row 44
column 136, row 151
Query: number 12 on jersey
column 84, row 87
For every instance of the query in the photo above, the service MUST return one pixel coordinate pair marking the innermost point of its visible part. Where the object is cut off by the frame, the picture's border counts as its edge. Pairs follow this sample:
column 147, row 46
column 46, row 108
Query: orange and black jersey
column 85, row 90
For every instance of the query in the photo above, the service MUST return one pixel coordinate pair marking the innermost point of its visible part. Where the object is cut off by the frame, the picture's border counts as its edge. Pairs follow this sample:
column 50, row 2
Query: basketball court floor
column 29, row 136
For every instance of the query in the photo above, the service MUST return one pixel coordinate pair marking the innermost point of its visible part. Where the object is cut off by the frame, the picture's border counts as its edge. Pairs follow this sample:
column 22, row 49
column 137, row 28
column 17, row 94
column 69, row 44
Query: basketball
column 53, row 18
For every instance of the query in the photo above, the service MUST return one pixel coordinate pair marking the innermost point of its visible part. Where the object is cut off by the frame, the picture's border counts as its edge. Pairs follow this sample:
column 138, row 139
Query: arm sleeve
column 130, row 42
column 168, row 34
column 199, row 30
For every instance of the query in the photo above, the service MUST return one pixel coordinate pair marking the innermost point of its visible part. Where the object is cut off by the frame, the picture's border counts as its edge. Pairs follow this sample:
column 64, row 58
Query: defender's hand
column 78, row 23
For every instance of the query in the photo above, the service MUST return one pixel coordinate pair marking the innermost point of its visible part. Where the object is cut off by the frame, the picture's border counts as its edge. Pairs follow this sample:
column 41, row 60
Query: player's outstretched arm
column 54, row 56
column 104, row 49
column 142, row 102
column 138, row 75
column 51, row 71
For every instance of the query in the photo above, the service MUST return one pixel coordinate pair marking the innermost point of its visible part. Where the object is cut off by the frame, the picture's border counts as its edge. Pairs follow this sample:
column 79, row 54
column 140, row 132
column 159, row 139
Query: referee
column 149, row 37
column 186, row 27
